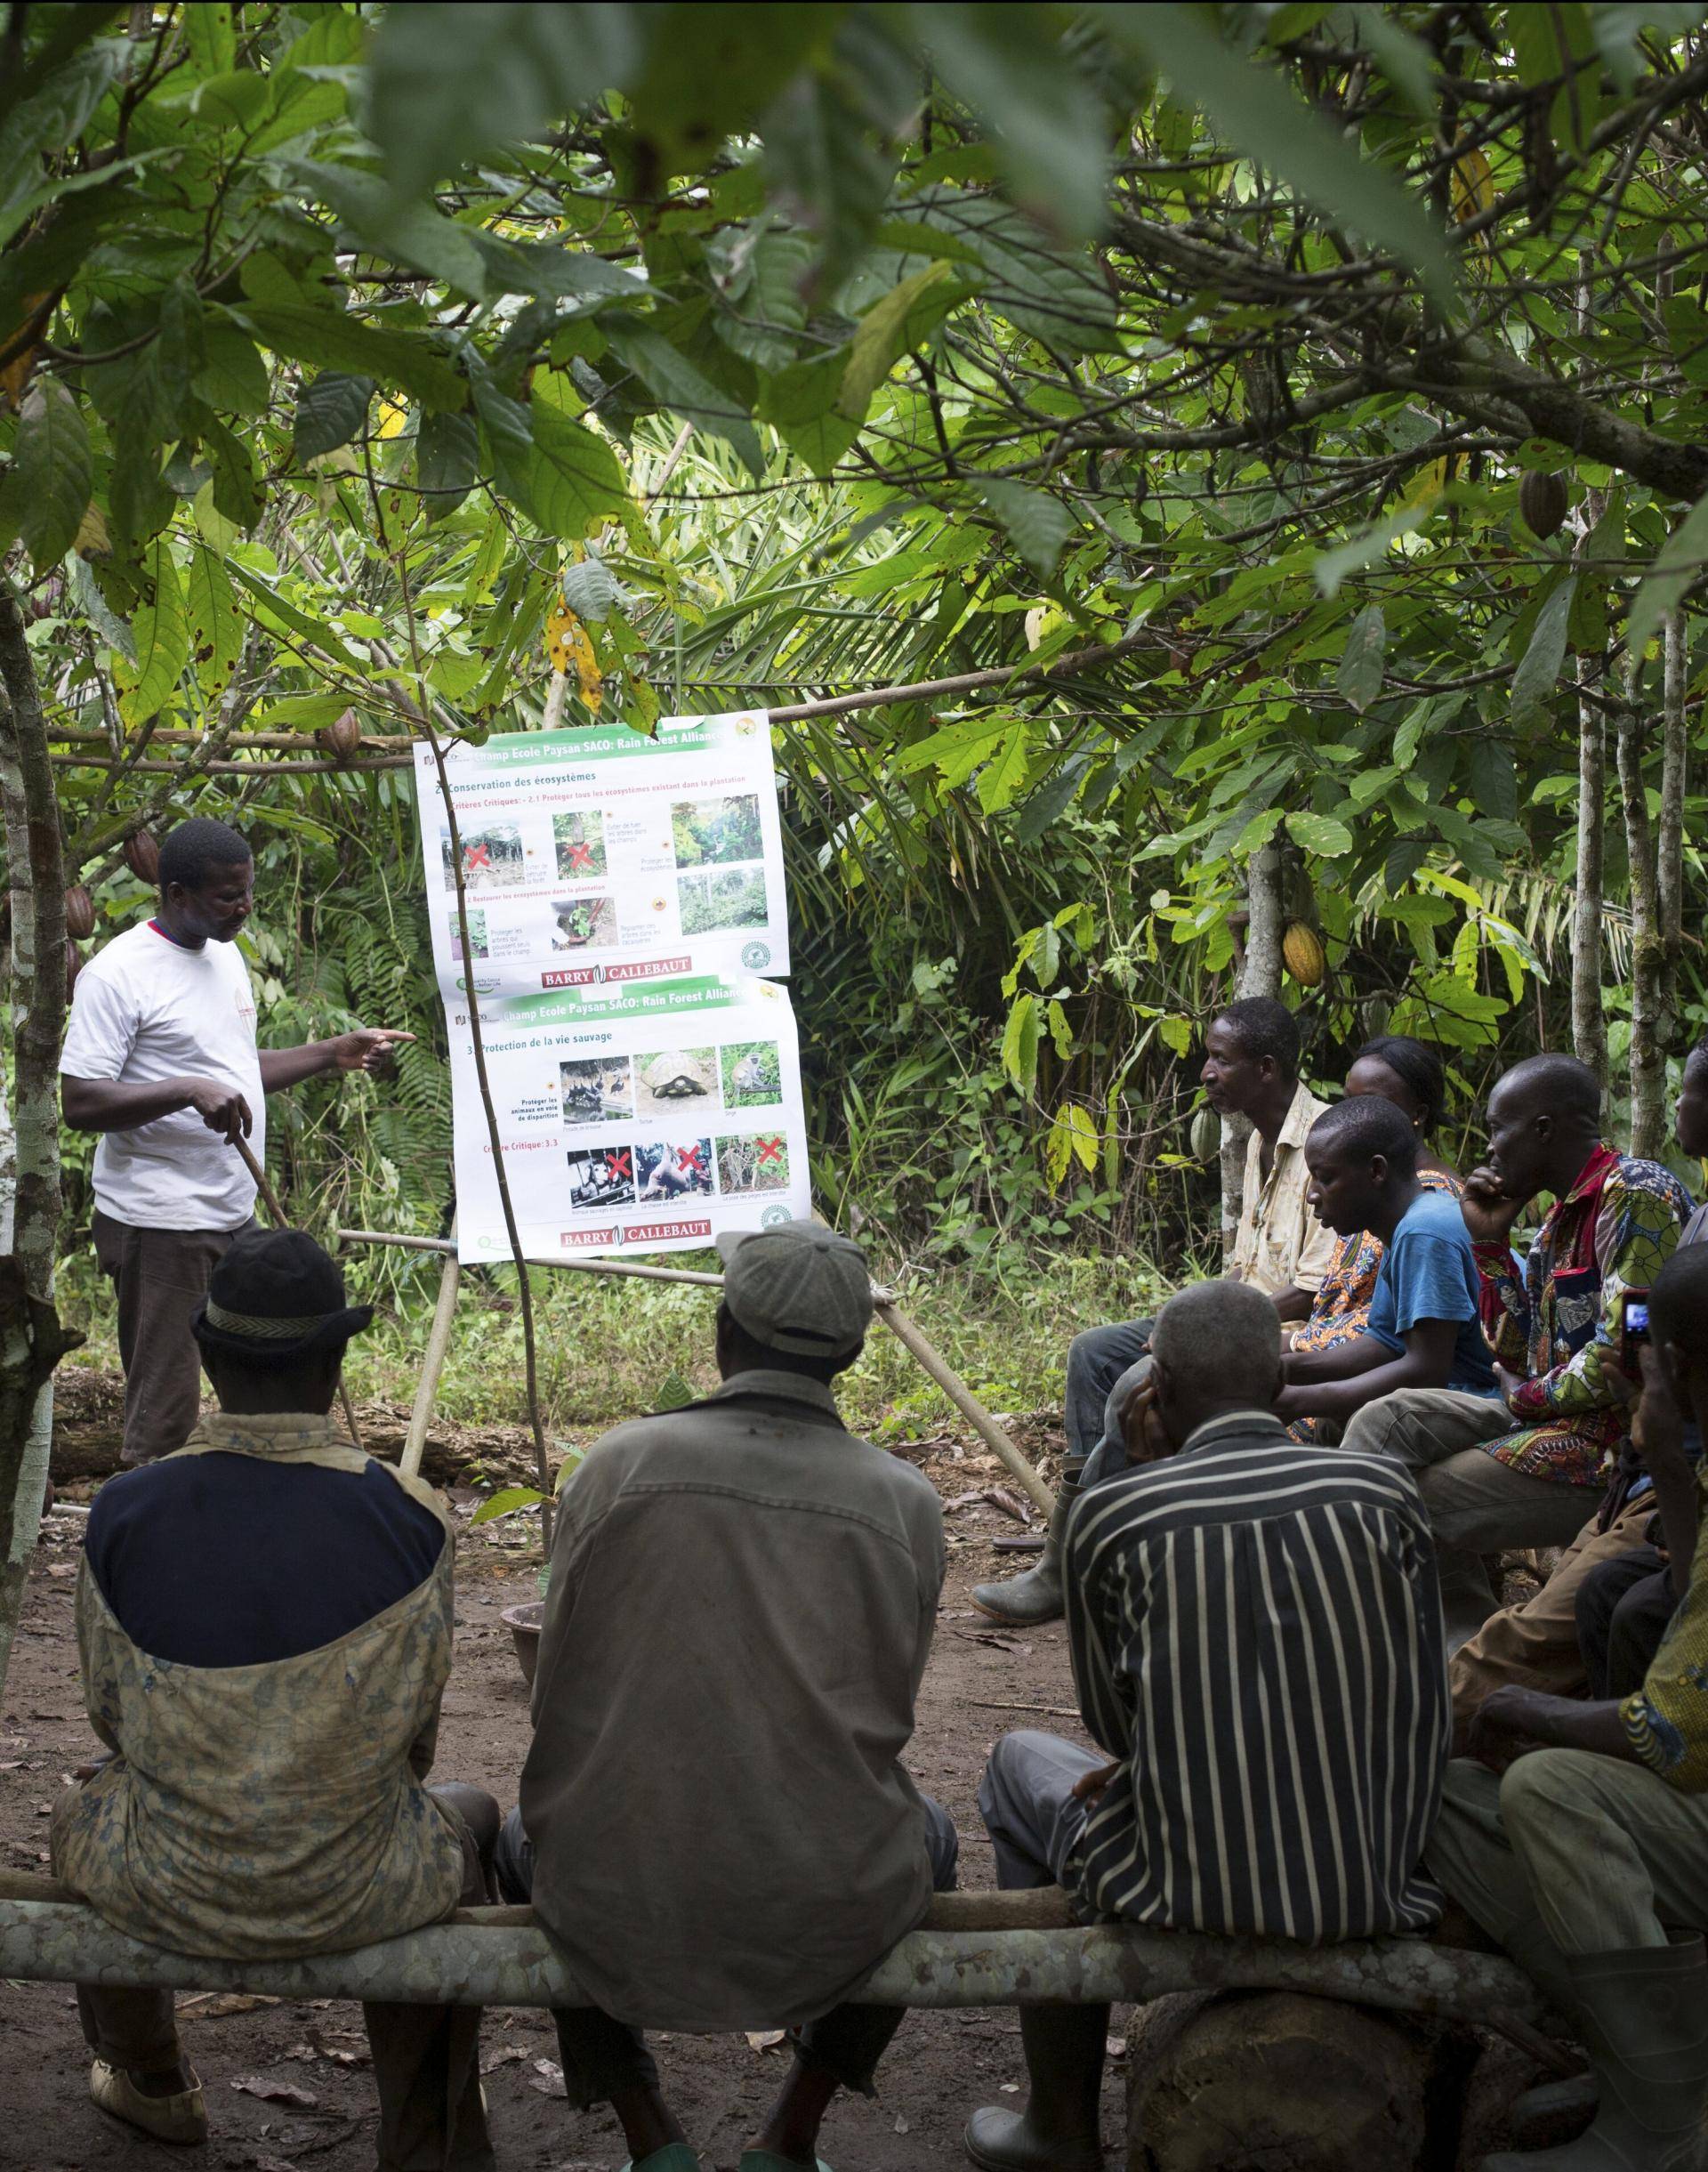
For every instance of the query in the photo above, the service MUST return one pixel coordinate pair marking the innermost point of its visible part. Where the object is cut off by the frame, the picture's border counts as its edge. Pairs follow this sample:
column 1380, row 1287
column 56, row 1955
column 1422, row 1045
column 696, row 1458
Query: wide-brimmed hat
column 798, row 1286
column 274, row 1297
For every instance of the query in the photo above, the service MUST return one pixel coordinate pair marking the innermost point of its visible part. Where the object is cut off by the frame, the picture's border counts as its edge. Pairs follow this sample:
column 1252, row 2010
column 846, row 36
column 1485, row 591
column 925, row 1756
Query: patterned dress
column 1554, row 1319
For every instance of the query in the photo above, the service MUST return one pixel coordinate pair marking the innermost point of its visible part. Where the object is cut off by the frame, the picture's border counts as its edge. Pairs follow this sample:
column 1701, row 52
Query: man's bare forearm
column 103, row 1104
column 288, row 1066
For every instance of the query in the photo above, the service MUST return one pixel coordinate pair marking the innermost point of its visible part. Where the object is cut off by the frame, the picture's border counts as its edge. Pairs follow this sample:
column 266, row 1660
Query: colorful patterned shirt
column 1667, row 1720
column 1553, row 1321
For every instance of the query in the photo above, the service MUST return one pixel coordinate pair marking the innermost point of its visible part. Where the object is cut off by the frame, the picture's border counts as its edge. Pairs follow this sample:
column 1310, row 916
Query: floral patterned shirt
column 1554, row 1320
column 1667, row 1719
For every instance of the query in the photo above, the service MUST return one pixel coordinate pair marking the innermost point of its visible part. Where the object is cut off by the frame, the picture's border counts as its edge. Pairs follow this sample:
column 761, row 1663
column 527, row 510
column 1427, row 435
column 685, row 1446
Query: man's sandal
column 674, row 2157
column 183, row 2118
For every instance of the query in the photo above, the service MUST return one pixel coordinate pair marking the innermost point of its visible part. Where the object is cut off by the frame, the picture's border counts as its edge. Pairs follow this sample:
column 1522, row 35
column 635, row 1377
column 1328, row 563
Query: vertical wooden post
column 432, row 1363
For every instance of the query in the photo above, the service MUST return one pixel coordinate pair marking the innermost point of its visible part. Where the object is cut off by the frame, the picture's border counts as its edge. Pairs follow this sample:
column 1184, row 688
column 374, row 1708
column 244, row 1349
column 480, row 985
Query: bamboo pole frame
column 906, row 1332
column 398, row 753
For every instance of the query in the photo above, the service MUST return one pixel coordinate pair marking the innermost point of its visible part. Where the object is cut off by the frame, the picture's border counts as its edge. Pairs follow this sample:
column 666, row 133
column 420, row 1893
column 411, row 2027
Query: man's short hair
column 195, row 848
column 1220, row 1338
column 1699, row 1054
column 1556, row 1084
column 1262, row 1027
column 1365, row 1124
column 1677, row 1302
column 1415, row 1064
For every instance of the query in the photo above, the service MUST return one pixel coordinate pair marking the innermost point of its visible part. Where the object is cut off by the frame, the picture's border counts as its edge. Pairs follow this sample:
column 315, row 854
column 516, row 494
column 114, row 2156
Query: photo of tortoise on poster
column 647, row 1118
column 601, row 855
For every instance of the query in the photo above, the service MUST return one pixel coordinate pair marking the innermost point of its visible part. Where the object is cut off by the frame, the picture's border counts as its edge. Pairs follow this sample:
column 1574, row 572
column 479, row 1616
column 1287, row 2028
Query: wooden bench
column 973, row 1949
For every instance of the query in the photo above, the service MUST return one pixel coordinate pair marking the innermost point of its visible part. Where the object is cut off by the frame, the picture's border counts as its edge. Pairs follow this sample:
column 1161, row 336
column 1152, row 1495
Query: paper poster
column 634, row 1119
column 597, row 856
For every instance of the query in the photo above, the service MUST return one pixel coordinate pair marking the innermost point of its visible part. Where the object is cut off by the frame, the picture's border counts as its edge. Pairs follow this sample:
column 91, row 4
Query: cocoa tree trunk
column 1260, row 975
column 1647, row 1059
column 31, row 1339
column 1669, row 857
column 1589, row 1023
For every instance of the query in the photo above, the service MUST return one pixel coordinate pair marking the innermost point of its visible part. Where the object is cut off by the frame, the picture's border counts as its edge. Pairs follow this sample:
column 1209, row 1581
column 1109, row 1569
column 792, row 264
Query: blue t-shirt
column 1429, row 1271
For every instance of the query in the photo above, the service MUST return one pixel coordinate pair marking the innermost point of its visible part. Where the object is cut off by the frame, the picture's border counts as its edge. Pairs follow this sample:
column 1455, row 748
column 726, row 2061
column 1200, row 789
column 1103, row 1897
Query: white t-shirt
column 146, row 1009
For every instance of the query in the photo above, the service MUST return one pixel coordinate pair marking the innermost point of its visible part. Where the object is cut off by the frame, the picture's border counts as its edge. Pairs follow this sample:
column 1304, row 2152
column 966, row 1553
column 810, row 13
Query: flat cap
column 797, row 1287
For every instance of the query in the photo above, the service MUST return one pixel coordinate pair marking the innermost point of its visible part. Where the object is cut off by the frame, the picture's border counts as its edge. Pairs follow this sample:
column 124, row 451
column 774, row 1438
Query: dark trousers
column 602, row 2057
column 1623, row 1608
column 1030, row 1811
column 1096, row 1361
column 159, row 1277
column 426, row 2059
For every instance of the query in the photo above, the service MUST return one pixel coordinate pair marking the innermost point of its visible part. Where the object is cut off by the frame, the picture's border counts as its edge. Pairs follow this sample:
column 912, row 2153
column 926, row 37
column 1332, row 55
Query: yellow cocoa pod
column 1302, row 951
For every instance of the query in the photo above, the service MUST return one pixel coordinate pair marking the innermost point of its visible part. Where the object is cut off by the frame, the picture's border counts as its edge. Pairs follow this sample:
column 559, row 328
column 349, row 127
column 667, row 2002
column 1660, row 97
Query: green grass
column 607, row 1345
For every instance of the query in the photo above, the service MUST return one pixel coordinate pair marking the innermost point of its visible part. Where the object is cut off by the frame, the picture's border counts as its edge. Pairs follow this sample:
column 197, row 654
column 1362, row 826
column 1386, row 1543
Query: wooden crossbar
column 974, row 1949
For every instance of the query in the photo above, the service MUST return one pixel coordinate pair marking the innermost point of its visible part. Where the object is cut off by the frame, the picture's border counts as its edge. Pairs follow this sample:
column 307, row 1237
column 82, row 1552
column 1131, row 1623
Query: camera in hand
column 1633, row 1333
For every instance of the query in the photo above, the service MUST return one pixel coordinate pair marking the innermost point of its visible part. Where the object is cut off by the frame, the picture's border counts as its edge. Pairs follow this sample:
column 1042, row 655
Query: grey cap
column 797, row 1287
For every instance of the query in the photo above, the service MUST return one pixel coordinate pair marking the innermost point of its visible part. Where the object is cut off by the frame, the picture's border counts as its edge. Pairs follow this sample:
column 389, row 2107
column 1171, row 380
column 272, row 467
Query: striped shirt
column 1256, row 1634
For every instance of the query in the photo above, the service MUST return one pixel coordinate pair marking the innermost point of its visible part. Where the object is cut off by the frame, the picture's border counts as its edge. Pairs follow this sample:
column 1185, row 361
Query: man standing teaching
column 160, row 1059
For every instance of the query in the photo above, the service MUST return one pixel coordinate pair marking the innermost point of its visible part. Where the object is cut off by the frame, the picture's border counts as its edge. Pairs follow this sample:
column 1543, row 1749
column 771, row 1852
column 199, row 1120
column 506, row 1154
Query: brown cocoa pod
column 1544, row 500
column 341, row 738
column 73, row 965
column 143, row 856
column 79, row 913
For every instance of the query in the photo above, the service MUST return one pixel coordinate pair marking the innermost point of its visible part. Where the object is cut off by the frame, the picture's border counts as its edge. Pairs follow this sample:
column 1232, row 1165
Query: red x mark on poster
column 691, row 1158
column 476, row 856
column 770, row 1150
column 619, row 1164
column 580, row 856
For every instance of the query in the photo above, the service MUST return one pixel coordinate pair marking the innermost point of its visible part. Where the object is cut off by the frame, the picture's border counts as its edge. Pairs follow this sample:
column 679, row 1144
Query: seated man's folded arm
column 1505, row 1305
column 1637, row 1235
column 1367, row 1368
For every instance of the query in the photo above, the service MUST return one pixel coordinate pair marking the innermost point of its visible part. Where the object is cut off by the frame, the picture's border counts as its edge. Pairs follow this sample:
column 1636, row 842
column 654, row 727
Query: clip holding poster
column 602, row 856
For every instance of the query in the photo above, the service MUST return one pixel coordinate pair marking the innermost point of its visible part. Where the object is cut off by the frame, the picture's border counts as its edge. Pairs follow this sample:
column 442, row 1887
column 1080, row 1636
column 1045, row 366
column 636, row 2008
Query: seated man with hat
column 715, row 1825
column 264, row 1624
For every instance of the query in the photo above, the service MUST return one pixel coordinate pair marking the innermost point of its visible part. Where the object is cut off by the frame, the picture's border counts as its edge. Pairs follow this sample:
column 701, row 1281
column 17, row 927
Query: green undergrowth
column 607, row 1346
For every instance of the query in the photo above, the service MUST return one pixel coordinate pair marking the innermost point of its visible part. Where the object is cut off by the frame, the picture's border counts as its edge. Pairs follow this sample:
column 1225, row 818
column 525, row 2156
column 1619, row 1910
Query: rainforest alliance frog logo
column 756, row 955
column 772, row 1215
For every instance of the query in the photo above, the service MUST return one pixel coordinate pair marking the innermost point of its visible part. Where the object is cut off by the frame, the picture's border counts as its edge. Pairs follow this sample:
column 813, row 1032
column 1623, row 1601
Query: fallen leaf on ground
column 503, row 2056
column 764, row 2040
column 212, row 2006
column 275, row 2092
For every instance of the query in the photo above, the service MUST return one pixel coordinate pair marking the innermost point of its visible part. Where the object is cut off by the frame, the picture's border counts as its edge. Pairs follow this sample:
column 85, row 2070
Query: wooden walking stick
column 282, row 1221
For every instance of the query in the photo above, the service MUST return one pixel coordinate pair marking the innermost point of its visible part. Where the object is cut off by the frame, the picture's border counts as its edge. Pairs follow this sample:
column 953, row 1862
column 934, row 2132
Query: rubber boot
column 1644, row 2014
column 1058, row 2131
column 1037, row 1596
column 1576, row 2096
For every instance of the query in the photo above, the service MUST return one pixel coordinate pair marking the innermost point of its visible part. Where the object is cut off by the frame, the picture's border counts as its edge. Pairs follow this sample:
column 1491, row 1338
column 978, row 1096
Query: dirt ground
column 981, row 1683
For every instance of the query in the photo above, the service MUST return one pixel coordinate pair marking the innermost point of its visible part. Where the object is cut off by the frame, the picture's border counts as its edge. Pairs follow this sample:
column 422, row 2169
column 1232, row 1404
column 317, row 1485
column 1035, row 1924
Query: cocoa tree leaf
column 55, row 471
